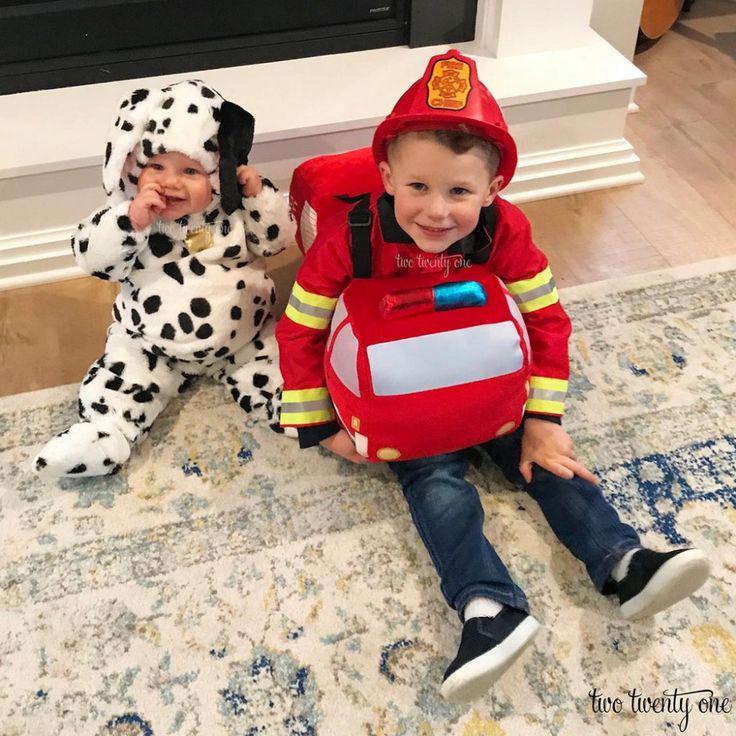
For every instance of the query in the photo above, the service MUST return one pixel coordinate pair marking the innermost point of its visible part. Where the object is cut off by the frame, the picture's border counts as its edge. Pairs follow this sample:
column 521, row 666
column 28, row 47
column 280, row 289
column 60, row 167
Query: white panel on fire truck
column 344, row 358
column 444, row 359
column 308, row 226
column 361, row 444
column 338, row 316
column 519, row 321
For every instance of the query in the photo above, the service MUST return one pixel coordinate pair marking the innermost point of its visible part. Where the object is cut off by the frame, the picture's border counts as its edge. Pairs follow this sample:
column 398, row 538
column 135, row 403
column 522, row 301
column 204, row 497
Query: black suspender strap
column 360, row 220
column 490, row 214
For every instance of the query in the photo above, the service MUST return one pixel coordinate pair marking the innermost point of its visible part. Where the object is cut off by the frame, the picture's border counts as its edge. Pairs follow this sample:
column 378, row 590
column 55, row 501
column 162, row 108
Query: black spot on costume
column 159, row 340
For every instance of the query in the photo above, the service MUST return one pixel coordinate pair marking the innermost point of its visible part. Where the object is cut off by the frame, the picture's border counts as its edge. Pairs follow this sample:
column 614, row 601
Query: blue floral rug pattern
column 227, row 583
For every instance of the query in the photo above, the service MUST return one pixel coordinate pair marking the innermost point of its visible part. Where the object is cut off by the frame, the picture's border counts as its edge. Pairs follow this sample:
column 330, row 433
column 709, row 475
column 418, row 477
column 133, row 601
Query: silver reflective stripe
column 292, row 407
column 545, row 394
column 445, row 359
column 318, row 312
column 543, row 290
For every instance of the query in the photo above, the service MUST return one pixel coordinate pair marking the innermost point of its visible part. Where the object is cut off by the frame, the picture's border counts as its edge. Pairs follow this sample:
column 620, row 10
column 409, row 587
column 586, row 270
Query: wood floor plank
column 51, row 334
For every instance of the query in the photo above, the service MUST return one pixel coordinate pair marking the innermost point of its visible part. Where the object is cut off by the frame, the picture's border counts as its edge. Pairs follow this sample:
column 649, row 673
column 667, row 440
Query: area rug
column 225, row 582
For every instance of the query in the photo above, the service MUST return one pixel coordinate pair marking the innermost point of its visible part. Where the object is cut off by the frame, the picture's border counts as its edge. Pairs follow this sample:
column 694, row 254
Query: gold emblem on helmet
column 449, row 85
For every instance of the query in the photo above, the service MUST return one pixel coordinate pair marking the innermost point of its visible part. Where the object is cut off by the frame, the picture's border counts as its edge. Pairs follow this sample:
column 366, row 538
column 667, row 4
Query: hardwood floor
column 51, row 334
column 684, row 212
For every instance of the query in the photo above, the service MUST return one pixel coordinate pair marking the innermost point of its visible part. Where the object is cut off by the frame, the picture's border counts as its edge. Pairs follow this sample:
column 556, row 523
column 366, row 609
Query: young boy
column 184, row 229
column 444, row 153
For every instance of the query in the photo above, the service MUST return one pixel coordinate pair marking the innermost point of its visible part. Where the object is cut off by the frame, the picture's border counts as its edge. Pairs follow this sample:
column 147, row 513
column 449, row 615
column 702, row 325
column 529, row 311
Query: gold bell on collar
column 198, row 240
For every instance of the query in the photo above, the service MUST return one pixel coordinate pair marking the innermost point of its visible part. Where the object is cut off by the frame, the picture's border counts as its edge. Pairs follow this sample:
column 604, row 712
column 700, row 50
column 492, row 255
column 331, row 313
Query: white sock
column 622, row 566
column 477, row 607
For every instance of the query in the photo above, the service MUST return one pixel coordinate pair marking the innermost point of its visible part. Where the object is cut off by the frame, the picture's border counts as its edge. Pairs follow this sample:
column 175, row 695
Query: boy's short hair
column 458, row 140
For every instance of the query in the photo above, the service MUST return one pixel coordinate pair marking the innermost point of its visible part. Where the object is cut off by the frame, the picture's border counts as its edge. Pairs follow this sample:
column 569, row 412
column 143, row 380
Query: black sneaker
column 656, row 580
column 487, row 649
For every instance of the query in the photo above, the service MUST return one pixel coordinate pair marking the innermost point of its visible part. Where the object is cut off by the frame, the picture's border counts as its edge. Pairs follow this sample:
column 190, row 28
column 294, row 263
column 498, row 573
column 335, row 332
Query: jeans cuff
column 513, row 598
column 602, row 573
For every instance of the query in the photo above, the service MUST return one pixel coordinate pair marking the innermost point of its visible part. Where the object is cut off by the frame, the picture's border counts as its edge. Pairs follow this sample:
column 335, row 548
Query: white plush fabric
column 180, row 313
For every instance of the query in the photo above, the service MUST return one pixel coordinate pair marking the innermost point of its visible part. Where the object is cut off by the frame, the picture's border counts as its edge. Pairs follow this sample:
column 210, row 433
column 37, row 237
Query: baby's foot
column 82, row 450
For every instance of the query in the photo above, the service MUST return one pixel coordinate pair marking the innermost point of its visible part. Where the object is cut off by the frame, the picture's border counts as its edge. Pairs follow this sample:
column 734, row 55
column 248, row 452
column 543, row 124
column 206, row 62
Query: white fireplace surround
column 564, row 89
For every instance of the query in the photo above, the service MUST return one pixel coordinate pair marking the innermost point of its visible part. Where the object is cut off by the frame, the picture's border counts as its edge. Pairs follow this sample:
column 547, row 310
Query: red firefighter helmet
column 449, row 95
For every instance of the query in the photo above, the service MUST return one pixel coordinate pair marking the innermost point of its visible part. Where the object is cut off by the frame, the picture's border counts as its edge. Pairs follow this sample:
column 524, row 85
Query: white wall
column 618, row 22
column 514, row 27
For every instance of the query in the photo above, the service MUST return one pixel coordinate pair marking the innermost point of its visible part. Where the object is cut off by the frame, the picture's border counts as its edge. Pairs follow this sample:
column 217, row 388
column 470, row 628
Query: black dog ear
column 234, row 139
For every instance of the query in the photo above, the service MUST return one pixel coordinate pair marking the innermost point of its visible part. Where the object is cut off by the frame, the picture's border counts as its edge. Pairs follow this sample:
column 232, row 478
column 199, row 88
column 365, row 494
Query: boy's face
column 180, row 180
column 438, row 194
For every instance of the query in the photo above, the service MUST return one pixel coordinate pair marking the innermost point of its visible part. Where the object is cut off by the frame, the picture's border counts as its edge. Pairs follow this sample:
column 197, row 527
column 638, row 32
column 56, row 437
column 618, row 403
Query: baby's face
column 180, row 180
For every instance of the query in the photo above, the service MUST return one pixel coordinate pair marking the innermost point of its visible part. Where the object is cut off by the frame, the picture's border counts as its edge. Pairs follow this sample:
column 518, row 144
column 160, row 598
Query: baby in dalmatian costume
column 188, row 245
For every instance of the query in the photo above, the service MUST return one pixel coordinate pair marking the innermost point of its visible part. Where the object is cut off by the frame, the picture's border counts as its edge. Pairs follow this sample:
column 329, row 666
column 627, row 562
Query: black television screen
column 60, row 43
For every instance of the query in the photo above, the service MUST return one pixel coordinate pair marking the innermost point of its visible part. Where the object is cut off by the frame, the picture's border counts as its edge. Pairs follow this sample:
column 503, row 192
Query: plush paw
column 85, row 449
column 286, row 431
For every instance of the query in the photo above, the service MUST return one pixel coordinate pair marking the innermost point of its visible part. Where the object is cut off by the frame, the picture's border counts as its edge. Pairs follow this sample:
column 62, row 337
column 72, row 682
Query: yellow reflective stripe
column 307, row 320
column 535, row 293
column 519, row 287
column 305, row 394
column 550, row 384
column 539, row 302
column 545, row 407
column 309, row 309
column 315, row 300
column 306, row 406
column 547, row 395
column 289, row 419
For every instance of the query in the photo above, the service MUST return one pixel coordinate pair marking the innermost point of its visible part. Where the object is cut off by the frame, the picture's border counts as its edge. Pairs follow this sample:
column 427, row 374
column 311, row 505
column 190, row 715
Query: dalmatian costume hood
column 187, row 117
column 194, row 296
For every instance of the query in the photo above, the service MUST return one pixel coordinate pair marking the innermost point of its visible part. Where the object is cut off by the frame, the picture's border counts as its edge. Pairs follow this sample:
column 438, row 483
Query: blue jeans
column 449, row 518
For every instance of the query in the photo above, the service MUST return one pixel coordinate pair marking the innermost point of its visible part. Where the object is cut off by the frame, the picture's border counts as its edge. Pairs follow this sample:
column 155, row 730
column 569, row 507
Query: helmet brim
column 396, row 125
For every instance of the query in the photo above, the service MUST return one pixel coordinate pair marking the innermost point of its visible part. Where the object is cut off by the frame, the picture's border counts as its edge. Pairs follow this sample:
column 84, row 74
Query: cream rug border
column 597, row 289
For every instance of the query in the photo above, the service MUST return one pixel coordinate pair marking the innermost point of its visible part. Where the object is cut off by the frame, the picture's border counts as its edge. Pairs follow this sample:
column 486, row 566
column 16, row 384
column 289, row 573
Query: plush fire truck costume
column 194, row 298
column 412, row 353
column 401, row 341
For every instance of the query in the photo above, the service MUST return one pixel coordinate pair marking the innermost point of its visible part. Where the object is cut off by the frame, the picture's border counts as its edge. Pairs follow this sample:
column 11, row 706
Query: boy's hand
column 342, row 445
column 147, row 205
column 249, row 180
column 549, row 446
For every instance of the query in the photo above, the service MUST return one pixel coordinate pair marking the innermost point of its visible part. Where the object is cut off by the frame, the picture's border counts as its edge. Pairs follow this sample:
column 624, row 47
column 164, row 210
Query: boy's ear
column 385, row 171
column 493, row 190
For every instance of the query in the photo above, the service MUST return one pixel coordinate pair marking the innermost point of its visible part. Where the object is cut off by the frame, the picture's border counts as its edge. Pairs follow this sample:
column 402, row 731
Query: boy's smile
column 181, row 181
column 438, row 194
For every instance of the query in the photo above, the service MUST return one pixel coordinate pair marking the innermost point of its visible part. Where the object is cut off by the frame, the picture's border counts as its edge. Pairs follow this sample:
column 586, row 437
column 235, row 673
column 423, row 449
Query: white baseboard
column 45, row 256
column 566, row 110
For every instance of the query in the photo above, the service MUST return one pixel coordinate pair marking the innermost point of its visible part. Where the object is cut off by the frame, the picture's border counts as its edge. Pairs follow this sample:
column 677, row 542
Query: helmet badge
column 449, row 85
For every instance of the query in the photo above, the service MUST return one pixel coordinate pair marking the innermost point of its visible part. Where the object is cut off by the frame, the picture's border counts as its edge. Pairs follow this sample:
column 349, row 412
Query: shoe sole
column 677, row 579
column 474, row 678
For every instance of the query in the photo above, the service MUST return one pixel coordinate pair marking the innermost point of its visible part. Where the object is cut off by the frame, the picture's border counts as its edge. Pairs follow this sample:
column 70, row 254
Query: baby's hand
column 146, row 206
column 342, row 445
column 249, row 179
column 548, row 445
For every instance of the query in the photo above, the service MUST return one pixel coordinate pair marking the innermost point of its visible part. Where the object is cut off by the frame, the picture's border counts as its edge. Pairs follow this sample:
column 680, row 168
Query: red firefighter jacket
column 327, row 269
